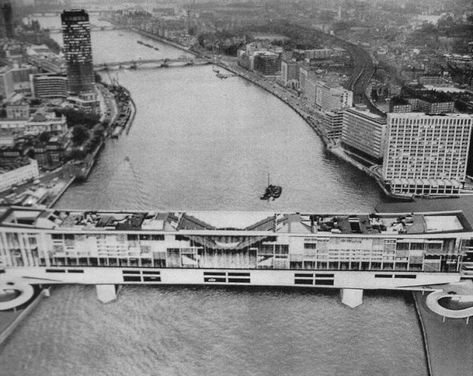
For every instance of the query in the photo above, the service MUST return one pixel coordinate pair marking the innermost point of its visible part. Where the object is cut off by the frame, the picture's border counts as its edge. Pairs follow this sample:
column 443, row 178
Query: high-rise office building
column 364, row 133
column 330, row 97
column 7, row 86
column 78, row 51
column 6, row 19
column 267, row 63
column 49, row 85
column 426, row 154
column 332, row 122
column 289, row 71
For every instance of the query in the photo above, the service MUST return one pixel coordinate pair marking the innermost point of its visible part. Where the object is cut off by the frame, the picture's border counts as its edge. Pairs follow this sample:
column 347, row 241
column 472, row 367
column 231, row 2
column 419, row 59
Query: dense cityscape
column 384, row 88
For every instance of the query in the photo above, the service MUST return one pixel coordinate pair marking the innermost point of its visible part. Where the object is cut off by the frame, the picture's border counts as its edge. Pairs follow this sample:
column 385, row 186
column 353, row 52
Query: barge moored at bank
column 351, row 252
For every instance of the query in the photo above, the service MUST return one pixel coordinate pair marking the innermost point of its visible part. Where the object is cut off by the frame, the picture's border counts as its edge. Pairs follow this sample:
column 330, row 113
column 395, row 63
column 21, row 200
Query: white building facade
column 364, row 133
column 19, row 175
column 426, row 154
column 332, row 98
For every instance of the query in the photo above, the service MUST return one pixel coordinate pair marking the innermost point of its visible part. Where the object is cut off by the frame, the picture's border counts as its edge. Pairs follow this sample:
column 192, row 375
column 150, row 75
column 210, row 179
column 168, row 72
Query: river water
column 199, row 142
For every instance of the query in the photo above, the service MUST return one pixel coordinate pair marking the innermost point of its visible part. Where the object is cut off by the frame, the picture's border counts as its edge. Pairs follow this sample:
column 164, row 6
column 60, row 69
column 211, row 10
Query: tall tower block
column 78, row 51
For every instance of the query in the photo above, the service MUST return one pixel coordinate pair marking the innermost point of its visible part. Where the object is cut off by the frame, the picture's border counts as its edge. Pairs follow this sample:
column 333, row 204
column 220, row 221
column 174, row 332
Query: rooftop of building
column 418, row 91
column 415, row 115
column 39, row 49
column 74, row 12
column 16, row 100
column 399, row 101
column 49, row 76
column 21, row 163
column 363, row 111
column 4, row 69
column 231, row 222
column 8, row 132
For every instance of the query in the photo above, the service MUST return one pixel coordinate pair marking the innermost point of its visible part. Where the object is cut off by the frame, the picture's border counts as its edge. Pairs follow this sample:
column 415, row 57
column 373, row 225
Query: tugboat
column 271, row 192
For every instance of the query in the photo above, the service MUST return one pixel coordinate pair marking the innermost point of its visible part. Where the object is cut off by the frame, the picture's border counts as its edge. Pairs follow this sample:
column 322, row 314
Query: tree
column 105, row 123
column 99, row 130
column 76, row 117
column 77, row 154
column 44, row 137
column 80, row 134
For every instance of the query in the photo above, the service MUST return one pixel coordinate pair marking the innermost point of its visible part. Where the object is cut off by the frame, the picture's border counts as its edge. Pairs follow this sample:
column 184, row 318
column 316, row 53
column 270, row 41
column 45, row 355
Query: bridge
column 153, row 63
column 92, row 28
column 58, row 13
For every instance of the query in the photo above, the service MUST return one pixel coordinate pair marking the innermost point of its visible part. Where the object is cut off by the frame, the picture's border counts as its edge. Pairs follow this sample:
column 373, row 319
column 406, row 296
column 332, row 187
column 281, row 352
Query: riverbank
column 131, row 119
column 162, row 40
column 61, row 192
column 126, row 111
column 448, row 344
column 312, row 119
column 296, row 105
column 280, row 94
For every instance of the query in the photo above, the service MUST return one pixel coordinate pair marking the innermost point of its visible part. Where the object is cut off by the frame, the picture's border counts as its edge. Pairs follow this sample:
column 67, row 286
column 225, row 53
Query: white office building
column 426, row 154
column 330, row 97
column 364, row 133
column 19, row 175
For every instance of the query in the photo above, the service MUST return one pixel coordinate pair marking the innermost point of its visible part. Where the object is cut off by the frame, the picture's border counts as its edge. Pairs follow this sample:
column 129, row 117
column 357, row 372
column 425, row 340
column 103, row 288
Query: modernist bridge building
column 351, row 252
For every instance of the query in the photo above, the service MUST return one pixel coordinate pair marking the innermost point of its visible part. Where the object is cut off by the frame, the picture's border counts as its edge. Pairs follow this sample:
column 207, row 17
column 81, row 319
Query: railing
column 467, row 269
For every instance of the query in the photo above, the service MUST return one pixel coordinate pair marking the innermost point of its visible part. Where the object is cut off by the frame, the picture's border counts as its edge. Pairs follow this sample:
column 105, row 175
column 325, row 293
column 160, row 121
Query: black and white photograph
column 236, row 187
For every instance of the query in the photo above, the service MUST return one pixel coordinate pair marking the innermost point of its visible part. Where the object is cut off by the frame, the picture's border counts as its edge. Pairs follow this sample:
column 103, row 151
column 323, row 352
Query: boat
column 272, row 191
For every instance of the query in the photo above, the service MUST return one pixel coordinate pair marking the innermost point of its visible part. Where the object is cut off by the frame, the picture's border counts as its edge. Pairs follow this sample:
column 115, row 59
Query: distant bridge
column 58, row 13
column 158, row 63
column 92, row 27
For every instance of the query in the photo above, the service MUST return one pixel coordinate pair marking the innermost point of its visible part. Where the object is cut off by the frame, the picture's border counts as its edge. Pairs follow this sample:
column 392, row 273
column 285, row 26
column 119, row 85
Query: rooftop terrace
column 258, row 222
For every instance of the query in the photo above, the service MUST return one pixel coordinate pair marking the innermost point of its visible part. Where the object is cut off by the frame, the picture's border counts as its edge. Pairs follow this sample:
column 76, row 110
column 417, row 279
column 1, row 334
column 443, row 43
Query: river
column 199, row 142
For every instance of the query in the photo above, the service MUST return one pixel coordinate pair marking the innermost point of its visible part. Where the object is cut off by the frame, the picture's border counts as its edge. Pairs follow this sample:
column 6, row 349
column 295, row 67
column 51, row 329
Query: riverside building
column 78, row 51
column 364, row 133
column 351, row 252
column 18, row 175
column 6, row 19
column 332, row 122
column 267, row 63
column 290, row 73
column 330, row 97
column 49, row 85
column 426, row 154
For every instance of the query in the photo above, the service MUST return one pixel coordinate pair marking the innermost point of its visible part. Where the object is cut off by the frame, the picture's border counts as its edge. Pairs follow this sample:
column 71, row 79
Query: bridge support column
column 106, row 293
column 352, row 297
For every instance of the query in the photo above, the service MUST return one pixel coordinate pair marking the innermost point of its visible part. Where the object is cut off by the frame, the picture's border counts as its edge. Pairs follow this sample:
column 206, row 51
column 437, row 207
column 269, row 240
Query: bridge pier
column 106, row 293
column 352, row 297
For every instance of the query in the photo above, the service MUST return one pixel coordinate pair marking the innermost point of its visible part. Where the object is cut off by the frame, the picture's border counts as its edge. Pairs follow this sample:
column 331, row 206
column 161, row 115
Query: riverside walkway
column 24, row 290
column 448, row 342
column 462, row 292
